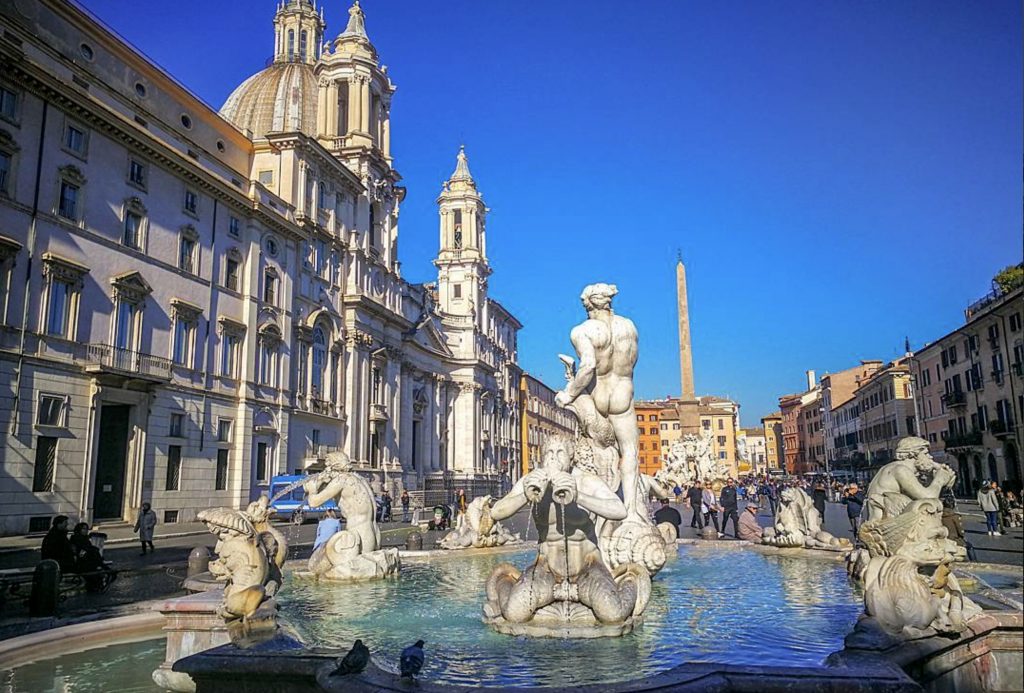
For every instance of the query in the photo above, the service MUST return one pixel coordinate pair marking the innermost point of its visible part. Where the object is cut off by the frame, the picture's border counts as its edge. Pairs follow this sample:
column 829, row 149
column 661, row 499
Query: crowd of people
column 77, row 554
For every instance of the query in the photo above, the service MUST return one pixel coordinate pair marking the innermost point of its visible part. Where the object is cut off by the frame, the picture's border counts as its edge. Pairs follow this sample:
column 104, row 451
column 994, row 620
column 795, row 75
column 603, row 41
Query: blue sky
column 837, row 175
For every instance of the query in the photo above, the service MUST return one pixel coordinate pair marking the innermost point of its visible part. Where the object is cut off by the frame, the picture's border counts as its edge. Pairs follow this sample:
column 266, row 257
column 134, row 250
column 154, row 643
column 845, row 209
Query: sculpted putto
column 568, row 590
column 477, row 528
column 899, row 482
column 353, row 553
column 798, row 524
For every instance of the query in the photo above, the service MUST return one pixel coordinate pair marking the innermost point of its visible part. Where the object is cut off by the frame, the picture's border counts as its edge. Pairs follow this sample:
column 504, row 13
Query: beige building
column 971, row 392
column 194, row 301
column 886, row 404
column 755, row 443
column 721, row 417
column 541, row 418
column 774, row 454
column 840, row 415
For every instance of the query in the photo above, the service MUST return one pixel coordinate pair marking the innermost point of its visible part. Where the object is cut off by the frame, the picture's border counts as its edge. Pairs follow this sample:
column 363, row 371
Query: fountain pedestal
column 192, row 625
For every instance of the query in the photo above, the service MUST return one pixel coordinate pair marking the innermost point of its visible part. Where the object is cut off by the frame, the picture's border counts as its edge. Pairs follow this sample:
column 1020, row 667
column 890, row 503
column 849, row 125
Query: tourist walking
column 728, row 499
column 405, row 505
column 749, row 529
column 56, row 545
column 989, row 503
column 818, row 496
column 666, row 513
column 327, row 527
column 771, row 493
column 694, row 495
column 853, row 499
column 385, row 510
column 144, row 525
column 709, row 504
column 460, row 501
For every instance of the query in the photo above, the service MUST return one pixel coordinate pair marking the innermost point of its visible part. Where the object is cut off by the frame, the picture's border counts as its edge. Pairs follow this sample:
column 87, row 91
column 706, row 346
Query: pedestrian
column 749, row 529
column 954, row 527
column 328, row 526
column 666, row 513
column 1014, row 510
column 989, row 503
column 818, row 496
column 88, row 560
column 678, row 493
column 695, row 495
column 729, row 501
column 56, row 545
column 386, row 506
column 405, row 505
column 460, row 501
column 144, row 525
column 853, row 499
column 709, row 504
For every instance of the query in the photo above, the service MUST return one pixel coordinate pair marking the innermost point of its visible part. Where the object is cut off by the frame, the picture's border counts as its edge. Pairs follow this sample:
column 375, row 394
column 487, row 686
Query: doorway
column 111, row 461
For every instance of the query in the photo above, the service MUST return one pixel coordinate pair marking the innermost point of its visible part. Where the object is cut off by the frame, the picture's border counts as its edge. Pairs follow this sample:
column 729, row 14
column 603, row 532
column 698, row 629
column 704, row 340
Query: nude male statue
column 897, row 483
column 566, row 502
column 353, row 495
column 607, row 347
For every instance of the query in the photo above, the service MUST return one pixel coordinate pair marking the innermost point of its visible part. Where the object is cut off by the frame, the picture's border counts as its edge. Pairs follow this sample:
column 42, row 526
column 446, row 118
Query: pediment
column 428, row 336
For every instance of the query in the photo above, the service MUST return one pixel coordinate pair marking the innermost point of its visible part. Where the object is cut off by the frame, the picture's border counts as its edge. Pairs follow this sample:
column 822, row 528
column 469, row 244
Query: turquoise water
column 121, row 668
column 709, row 605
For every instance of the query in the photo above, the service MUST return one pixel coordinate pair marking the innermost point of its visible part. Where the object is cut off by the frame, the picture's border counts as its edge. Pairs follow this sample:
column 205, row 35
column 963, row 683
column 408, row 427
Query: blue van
column 293, row 506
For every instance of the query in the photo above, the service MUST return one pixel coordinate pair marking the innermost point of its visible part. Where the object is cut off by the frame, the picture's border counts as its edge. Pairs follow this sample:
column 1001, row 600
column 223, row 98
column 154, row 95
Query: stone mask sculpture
column 798, row 525
column 353, row 553
column 568, row 591
column 477, row 528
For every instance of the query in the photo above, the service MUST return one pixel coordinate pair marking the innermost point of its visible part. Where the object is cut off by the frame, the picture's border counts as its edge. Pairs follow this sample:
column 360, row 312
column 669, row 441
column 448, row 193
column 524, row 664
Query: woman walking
column 144, row 525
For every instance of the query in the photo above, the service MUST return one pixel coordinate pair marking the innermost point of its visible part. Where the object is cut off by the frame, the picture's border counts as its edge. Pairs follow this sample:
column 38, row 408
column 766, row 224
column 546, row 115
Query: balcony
column 1001, row 429
column 104, row 359
column 378, row 412
column 1018, row 368
column 956, row 398
column 967, row 440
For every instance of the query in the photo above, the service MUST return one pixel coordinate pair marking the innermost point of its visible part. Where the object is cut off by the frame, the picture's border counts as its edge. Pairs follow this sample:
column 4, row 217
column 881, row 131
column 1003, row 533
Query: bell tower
column 298, row 32
column 462, row 259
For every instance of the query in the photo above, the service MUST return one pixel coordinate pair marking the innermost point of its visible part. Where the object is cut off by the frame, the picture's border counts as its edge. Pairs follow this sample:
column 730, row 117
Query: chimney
column 811, row 380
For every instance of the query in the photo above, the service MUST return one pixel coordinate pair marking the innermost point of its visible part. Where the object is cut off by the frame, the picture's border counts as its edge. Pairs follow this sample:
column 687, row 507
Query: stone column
column 364, row 104
column 353, row 103
column 386, row 128
column 332, row 110
column 323, row 111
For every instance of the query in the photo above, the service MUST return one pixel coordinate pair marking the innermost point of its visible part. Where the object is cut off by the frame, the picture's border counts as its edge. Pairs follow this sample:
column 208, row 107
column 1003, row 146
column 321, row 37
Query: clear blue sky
column 837, row 174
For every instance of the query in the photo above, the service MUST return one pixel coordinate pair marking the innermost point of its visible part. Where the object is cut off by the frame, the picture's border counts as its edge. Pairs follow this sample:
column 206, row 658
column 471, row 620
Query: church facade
column 195, row 301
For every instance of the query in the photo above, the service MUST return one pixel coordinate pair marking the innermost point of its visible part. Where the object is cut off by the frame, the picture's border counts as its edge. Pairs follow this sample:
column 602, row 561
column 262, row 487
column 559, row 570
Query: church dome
column 281, row 98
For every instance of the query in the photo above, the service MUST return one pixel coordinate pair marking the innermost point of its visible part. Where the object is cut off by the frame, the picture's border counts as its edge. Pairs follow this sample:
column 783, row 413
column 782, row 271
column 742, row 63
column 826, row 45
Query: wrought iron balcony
column 968, row 440
column 1001, row 429
column 104, row 358
column 956, row 398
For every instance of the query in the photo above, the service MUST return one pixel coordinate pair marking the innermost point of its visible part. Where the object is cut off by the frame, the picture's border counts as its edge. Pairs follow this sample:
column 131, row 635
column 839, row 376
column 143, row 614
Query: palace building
column 195, row 301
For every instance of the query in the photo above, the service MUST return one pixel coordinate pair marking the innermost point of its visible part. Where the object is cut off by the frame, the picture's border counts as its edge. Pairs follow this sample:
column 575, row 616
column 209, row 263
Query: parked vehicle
column 292, row 505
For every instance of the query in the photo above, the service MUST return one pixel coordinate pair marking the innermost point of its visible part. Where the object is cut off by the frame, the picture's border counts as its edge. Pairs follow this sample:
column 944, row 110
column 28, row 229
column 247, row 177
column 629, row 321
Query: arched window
column 302, row 45
column 319, row 361
column 291, row 43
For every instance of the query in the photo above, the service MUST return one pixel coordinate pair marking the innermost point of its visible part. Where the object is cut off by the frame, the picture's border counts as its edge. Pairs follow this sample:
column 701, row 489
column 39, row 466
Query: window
column 721, row 425
column 267, row 362
column 6, row 165
column 58, row 322
column 221, row 481
column 51, row 410
column 458, row 227
column 270, row 287
column 302, row 44
column 229, row 356
column 124, row 328
column 173, row 480
column 137, row 173
column 234, row 226
column 8, row 104
column 266, row 177
column 132, row 230
column 188, row 250
column 191, row 202
column 177, row 428
column 184, row 335
column 68, row 204
column 721, row 440
column 457, row 291
column 261, row 463
column 170, row 517
column 291, row 43
column 722, row 455
column 45, row 465
column 224, row 430
column 322, row 196
column 231, row 274
column 75, row 139
column 1015, row 319
column 319, row 361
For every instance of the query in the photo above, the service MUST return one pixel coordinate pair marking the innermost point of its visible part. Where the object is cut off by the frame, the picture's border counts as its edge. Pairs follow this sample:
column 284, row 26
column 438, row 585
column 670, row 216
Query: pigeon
column 412, row 660
column 355, row 661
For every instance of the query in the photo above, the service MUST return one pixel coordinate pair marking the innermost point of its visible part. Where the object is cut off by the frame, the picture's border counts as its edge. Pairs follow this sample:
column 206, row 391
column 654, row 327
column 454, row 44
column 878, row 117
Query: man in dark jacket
column 853, row 499
column 818, row 496
column 694, row 495
column 727, row 499
column 57, row 546
column 666, row 513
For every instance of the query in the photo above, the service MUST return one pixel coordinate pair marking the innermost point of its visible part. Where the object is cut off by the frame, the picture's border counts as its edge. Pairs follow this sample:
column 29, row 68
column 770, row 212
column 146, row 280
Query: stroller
column 442, row 518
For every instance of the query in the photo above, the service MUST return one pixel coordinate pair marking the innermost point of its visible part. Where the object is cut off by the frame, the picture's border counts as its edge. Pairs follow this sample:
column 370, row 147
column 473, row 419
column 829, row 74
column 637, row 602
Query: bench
column 16, row 583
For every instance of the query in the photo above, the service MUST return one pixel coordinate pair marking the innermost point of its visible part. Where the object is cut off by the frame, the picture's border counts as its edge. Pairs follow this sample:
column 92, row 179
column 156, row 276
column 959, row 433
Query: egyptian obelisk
column 688, row 403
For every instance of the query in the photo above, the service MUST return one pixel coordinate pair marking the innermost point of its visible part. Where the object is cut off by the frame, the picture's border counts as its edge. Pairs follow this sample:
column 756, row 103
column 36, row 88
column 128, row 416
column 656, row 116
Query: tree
column 1009, row 278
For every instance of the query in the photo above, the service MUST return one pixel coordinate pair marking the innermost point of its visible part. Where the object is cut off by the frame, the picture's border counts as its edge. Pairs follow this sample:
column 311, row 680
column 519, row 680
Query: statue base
column 366, row 566
column 563, row 620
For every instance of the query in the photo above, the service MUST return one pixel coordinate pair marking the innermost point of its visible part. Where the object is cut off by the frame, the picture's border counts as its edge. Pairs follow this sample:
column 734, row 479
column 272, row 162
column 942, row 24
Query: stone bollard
column 414, row 542
column 45, row 589
column 709, row 533
column 198, row 561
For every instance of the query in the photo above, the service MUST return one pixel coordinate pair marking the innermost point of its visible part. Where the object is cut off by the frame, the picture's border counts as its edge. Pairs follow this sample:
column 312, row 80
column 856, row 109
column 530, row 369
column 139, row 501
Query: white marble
column 476, row 528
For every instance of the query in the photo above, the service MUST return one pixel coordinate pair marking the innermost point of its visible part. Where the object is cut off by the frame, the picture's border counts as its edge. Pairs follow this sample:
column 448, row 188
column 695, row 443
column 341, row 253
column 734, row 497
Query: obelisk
column 689, row 417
